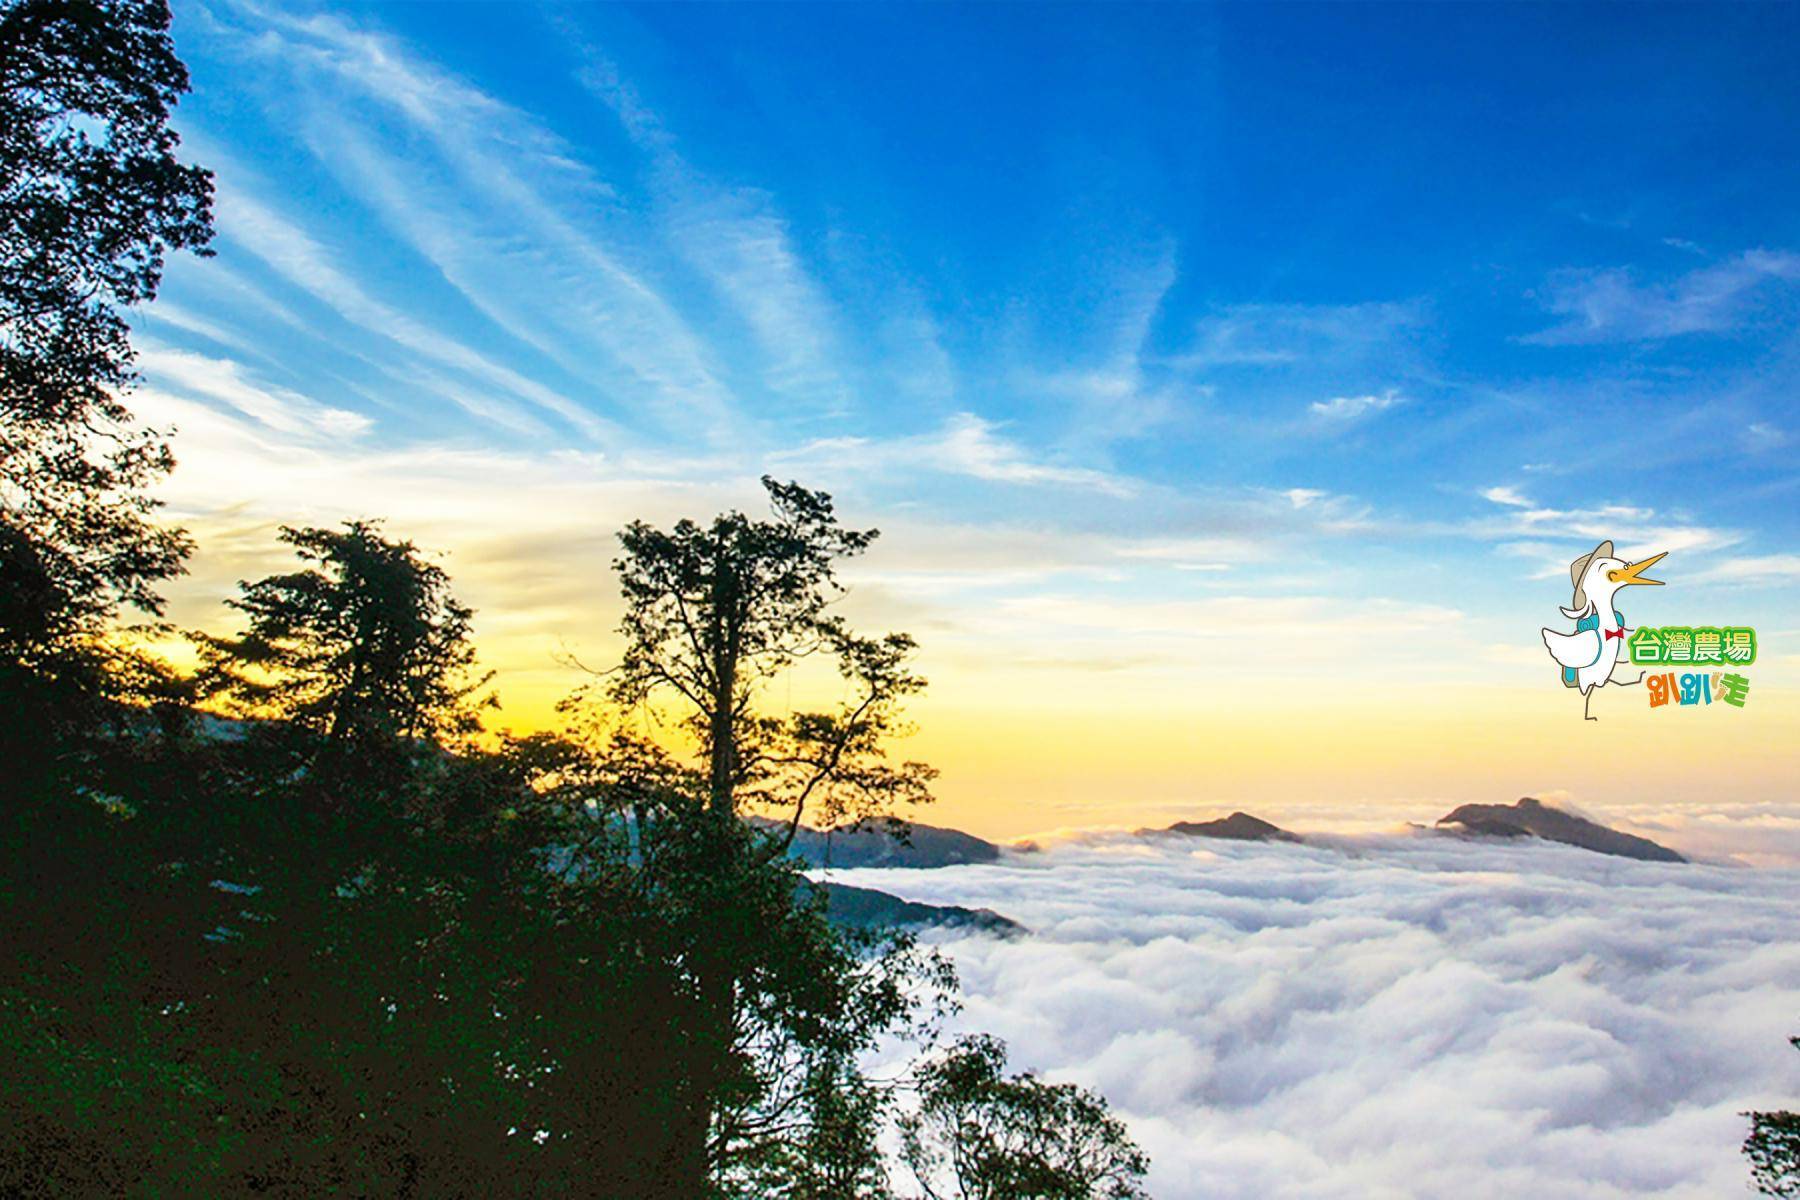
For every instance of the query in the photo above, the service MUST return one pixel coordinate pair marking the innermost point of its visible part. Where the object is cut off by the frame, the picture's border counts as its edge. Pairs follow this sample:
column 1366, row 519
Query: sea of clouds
column 1393, row 1015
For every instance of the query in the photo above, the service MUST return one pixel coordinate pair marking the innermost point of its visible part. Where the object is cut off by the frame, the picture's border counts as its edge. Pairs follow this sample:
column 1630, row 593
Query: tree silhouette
column 1773, row 1149
column 714, row 612
column 295, row 926
column 92, row 196
column 362, row 657
column 979, row 1134
column 345, row 947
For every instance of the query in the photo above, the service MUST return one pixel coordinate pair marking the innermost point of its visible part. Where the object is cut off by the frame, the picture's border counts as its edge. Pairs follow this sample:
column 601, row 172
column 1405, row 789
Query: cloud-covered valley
column 1391, row 1016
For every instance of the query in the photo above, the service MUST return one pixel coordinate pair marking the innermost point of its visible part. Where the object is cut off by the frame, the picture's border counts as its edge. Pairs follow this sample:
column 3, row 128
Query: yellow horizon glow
column 1049, row 706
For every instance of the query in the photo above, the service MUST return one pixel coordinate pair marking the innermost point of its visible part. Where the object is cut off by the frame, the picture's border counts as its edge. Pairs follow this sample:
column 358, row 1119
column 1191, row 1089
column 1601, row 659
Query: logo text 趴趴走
column 1694, row 646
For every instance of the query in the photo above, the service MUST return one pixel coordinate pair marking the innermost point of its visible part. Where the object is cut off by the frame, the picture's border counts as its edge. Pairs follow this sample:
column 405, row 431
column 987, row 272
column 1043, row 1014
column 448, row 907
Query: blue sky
column 1134, row 326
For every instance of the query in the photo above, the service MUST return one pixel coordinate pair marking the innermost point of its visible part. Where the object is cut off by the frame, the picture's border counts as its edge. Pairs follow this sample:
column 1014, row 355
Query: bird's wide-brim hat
column 1578, row 569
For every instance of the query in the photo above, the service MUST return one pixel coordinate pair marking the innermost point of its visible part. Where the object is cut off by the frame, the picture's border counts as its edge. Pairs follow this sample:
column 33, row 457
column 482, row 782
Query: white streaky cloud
column 593, row 319
column 965, row 444
column 486, row 172
column 227, row 382
column 1274, row 335
column 228, row 288
column 1348, row 408
column 738, row 241
column 167, row 312
column 403, row 376
column 304, row 262
column 1110, row 383
column 1758, row 569
column 601, row 76
column 969, row 445
column 1302, row 497
column 1507, row 496
column 1402, row 1017
column 736, row 238
column 430, row 96
column 1761, row 436
column 1612, row 305
column 1556, row 535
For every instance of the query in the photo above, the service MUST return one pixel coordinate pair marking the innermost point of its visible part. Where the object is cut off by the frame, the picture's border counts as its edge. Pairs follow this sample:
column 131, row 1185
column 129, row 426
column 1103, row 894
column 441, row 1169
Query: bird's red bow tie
column 1614, row 633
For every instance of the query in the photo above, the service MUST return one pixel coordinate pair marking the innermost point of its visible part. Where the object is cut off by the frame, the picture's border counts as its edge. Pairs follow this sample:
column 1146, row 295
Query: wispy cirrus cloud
column 306, row 263
column 737, row 239
column 560, row 293
column 965, row 444
column 499, row 205
column 1528, row 528
column 1753, row 570
column 1350, row 408
column 1615, row 305
column 225, row 381
column 1117, row 388
column 1274, row 335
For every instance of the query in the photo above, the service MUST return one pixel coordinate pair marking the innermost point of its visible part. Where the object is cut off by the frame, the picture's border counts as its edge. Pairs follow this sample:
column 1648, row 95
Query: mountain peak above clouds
column 1535, row 818
column 1238, row 827
column 873, row 842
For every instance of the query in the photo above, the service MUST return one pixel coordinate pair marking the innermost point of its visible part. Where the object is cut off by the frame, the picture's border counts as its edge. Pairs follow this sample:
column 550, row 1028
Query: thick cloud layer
column 1394, row 1016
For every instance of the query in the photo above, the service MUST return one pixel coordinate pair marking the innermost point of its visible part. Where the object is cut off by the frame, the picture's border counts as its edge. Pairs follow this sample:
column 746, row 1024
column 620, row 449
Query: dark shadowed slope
column 874, row 844
column 1238, row 827
column 866, row 908
column 1534, row 817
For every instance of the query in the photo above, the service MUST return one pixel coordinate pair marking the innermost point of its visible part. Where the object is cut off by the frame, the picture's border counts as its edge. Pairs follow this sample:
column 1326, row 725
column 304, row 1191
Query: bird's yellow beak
column 1625, row 575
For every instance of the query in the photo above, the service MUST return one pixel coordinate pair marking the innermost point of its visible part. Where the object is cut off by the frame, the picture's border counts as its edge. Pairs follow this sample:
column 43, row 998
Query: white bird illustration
column 1589, row 655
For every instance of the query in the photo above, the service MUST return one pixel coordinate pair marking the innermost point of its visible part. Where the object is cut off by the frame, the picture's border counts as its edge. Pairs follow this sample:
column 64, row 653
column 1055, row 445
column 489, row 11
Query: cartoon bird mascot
column 1589, row 655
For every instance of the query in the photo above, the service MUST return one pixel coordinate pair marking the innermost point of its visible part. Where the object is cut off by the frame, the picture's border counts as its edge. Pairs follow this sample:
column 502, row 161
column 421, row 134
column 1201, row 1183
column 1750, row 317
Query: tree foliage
column 92, row 197
column 979, row 1134
column 1773, row 1149
column 363, row 653
column 92, row 194
column 715, row 612
column 770, row 1089
column 431, row 966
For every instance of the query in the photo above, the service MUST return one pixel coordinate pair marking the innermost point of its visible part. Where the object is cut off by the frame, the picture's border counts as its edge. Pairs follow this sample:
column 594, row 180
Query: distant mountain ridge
column 879, row 843
column 873, row 843
column 1535, row 818
column 1238, row 827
